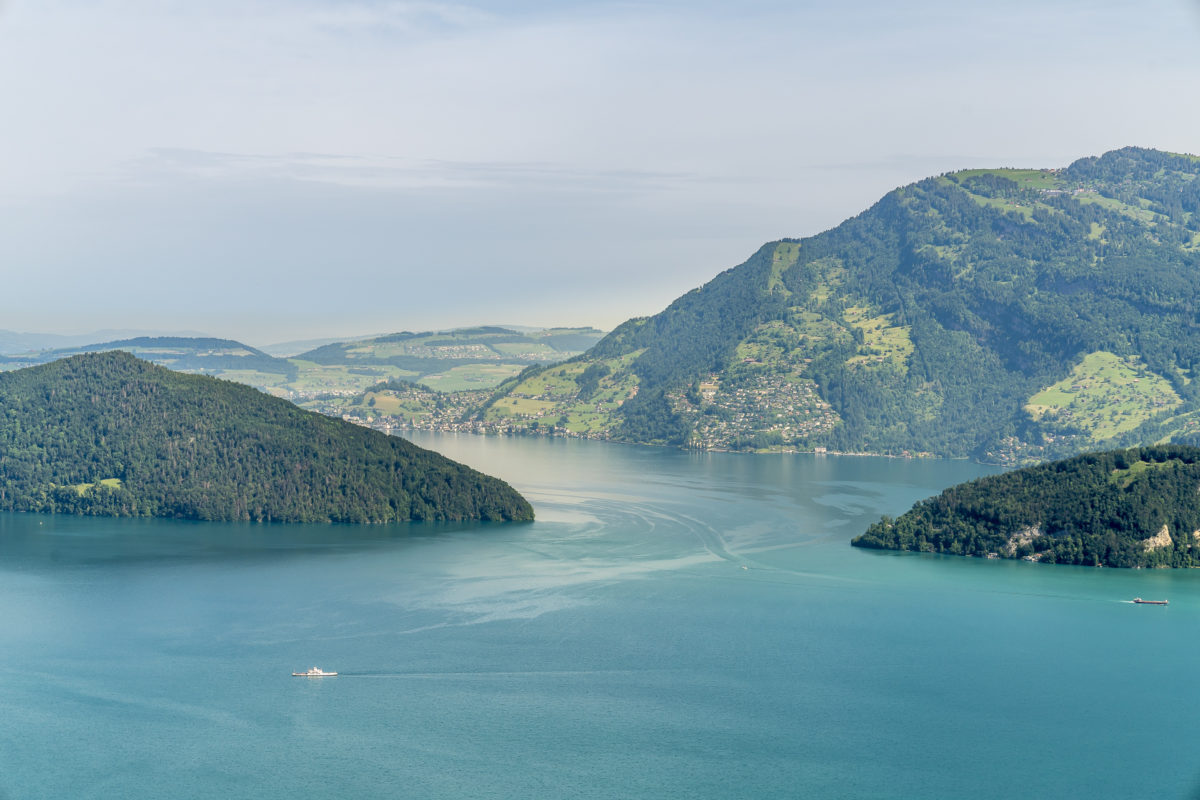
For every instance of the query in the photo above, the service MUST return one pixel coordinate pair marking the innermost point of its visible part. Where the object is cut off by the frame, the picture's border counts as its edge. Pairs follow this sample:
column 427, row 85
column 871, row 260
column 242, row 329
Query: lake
column 674, row 625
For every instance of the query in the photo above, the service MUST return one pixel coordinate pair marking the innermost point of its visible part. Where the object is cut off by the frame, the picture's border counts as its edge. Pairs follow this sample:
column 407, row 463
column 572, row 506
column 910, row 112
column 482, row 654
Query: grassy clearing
column 1025, row 178
column 1105, row 395
column 472, row 376
column 883, row 340
column 526, row 349
column 111, row 483
column 389, row 404
column 1112, row 204
column 343, row 378
column 1124, row 477
column 557, row 381
column 523, row 407
column 785, row 257
column 1003, row 204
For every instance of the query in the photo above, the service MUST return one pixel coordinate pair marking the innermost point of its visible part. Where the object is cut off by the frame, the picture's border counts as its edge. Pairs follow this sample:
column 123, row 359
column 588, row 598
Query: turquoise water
column 673, row 625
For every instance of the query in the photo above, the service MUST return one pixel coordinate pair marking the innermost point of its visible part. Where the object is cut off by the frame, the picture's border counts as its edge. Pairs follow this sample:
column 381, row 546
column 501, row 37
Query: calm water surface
column 673, row 625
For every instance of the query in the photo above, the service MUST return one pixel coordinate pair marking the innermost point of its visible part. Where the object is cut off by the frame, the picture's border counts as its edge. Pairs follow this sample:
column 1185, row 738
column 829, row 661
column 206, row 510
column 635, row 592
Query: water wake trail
column 573, row 673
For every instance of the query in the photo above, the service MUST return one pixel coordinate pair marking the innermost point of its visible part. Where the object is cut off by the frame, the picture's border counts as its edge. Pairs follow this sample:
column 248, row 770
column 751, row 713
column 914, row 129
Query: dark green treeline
column 109, row 434
column 1124, row 508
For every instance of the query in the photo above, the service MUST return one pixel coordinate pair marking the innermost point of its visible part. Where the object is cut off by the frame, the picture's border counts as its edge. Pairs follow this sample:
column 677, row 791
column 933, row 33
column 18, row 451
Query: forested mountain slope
column 1010, row 315
column 1125, row 508
column 109, row 434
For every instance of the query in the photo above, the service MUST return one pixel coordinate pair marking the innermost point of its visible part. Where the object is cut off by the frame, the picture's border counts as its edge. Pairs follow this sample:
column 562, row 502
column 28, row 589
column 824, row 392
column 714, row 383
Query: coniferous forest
column 1138, row 507
column 109, row 434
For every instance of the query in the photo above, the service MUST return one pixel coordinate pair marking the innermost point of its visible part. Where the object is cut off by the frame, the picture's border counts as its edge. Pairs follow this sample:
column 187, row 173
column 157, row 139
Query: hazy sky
column 284, row 169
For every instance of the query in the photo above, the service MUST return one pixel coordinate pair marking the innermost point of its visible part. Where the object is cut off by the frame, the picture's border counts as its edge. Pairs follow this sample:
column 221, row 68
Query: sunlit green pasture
column 471, row 376
column 1105, row 395
column 111, row 483
column 882, row 339
column 1024, row 178
column 1112, row 204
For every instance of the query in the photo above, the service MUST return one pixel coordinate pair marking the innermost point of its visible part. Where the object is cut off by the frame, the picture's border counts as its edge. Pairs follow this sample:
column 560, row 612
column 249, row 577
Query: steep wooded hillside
column 1011, row 315
column 109, row 434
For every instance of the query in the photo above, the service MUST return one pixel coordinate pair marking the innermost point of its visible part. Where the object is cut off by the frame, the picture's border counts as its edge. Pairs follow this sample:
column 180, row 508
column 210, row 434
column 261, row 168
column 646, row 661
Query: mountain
column 110, row 434
column 1010, row 315
column 1126, row 508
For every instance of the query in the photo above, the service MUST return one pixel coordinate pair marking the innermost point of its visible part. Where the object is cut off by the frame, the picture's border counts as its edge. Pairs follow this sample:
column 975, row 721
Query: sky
column 272, row 170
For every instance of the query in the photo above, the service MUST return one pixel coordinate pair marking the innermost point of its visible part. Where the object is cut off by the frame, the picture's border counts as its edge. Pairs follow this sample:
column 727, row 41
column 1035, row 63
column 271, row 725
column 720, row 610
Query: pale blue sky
column 271, row 169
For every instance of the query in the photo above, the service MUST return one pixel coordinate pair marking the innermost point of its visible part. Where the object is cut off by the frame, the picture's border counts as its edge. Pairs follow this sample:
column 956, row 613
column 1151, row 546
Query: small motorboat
column 315, row 672
column 1150, row 602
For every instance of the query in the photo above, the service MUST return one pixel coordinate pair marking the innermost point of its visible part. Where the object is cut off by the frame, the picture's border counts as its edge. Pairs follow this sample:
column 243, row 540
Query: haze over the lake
column 269, row 170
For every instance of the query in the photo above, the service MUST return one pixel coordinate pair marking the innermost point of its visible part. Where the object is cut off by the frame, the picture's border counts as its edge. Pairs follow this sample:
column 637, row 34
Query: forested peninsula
column 1124, row 508
column 109, row 434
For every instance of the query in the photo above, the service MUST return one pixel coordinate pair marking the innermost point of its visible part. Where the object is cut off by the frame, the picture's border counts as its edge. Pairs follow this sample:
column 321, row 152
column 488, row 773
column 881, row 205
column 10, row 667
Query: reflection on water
column 81, row 541
column 673, row 624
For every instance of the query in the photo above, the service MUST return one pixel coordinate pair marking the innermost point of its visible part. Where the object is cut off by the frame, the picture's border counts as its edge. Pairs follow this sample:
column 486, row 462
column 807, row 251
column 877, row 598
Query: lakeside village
column 767, row 413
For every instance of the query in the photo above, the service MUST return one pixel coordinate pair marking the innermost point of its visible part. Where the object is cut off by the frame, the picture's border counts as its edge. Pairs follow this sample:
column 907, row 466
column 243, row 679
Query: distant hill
column 295, row 348
column 466, row 358
column 205, row 355
column 185, row 354
column 110, row 434
column 1011, row 315
column 1126, row 508
column 12, row 342
column 463, row 358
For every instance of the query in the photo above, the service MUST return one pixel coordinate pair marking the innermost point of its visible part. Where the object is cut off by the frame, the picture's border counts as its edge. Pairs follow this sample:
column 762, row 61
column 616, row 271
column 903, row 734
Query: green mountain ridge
column 1125, row 508
column 458, row 359
column 109, row 434
column 1010, row 315
column 448, row 360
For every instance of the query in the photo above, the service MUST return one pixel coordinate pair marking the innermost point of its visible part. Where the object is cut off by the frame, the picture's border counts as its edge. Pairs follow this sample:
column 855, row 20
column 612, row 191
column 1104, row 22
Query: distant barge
column 1150, row 602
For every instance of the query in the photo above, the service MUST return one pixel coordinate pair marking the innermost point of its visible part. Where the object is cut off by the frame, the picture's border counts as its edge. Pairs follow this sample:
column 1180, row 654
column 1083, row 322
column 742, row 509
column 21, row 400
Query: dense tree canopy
column 1124, row 508
column 109, row 434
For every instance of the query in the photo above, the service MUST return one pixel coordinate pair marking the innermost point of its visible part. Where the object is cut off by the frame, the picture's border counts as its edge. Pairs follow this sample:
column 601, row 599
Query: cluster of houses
column 766, row 403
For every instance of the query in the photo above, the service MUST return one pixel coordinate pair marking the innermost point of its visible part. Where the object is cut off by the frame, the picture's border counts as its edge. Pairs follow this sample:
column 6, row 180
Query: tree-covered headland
column 109, row 434
column 1138, row 507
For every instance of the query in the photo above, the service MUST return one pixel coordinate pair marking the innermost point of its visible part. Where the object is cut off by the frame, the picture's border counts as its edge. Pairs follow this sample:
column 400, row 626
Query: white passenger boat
column 315, row 672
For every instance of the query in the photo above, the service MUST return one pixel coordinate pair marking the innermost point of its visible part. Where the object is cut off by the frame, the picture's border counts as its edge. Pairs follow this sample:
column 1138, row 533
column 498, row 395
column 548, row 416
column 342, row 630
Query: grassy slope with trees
column 937, row 321
column 460, row 359
column 109, row 434
column 1138, row 507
